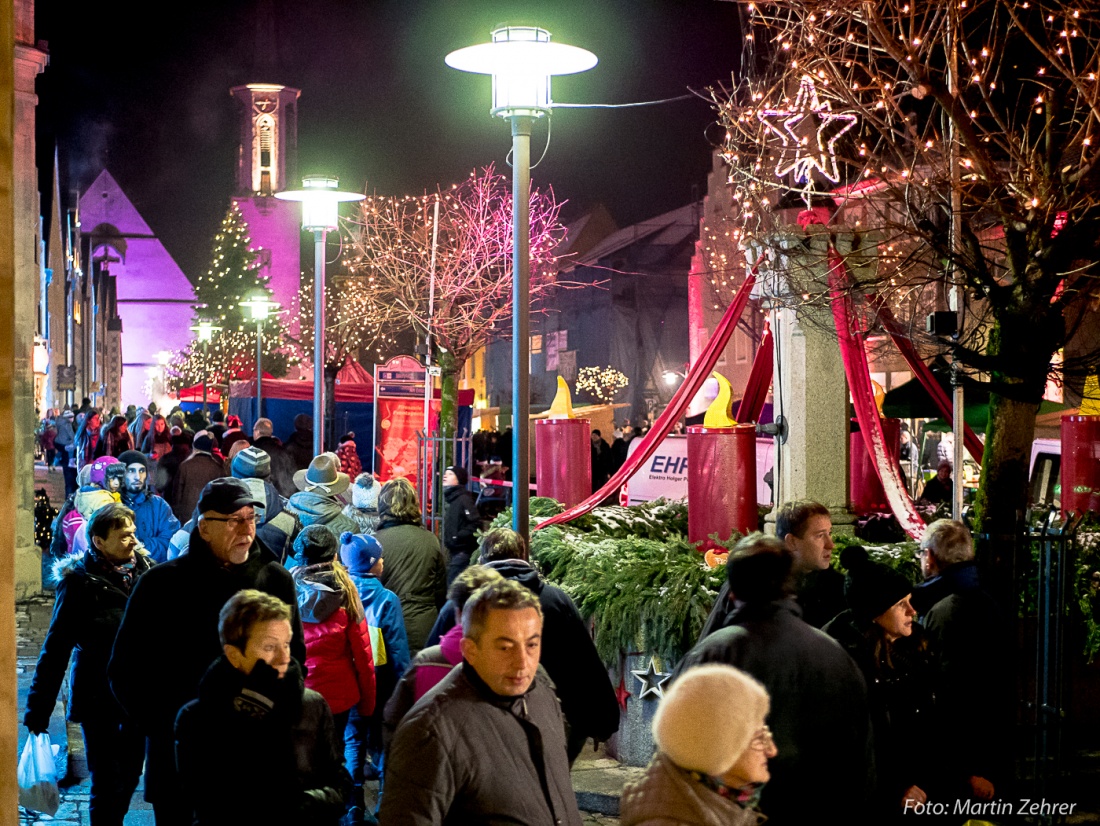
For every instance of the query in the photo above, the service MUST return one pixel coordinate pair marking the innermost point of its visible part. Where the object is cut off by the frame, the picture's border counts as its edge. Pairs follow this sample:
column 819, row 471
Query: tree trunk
column 450, row 367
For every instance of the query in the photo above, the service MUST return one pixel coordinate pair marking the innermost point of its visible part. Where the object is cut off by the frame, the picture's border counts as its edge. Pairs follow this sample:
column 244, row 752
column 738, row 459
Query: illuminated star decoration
column 808, row 103
column 653, row 680
column 622, row 693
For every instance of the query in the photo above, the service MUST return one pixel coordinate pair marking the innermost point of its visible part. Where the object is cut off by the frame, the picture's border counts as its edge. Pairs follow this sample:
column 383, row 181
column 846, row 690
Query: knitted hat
column 871, row 587
column 68, row 414
column 323, row 476
column 134, row 457
column 364, row 493
column 203, row 441
column 251, row 463
column 708, row 717
column 460, row 474
column 98, row 473
column 315, row 544
column 90, row 499
column 359, row 552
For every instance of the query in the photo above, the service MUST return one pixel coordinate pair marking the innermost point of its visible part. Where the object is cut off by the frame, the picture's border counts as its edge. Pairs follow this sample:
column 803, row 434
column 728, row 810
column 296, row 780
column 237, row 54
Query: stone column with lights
column 810, row 390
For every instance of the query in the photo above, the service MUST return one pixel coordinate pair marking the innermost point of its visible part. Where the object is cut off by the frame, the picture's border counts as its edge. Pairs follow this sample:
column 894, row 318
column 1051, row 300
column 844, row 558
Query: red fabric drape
column 863, row 397
column 970, row 439
column 760, row 379
column 676, row 408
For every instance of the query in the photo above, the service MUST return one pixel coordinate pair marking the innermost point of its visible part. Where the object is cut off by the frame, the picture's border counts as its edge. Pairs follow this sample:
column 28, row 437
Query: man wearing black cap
column 460, row 521
column 153, row 518
column 169, row 634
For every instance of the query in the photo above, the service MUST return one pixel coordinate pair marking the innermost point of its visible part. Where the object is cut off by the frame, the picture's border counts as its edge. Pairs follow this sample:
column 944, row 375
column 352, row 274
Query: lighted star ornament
column 653, row 680
column 806, row 158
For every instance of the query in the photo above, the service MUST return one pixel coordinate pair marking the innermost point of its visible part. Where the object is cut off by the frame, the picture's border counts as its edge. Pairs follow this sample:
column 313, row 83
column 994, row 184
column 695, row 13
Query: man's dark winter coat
column 819, row 715
column 169, row 637
column 195, row 472
column 568, row 655
column 254, row 748
column 467, row 755
column 971, row 643
column 87, row 612
column 282, row 465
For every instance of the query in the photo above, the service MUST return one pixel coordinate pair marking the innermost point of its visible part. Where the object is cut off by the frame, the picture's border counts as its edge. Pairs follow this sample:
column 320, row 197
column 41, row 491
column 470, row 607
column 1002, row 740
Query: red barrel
column 721, row 482
column 563, row 459
column 1080, row 464
column 864, row 488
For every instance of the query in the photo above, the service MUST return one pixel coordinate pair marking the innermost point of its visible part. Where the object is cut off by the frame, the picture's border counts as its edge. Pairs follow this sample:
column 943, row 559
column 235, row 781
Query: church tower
column 267, row 162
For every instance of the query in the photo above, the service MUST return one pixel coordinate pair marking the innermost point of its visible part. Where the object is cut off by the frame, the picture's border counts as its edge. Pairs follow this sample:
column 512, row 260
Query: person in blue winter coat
column 153, row 517
column 362, row 556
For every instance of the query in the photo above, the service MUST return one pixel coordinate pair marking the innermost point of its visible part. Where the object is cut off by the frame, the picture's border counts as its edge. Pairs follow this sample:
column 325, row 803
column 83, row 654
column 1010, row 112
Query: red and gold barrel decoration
column 563, row 452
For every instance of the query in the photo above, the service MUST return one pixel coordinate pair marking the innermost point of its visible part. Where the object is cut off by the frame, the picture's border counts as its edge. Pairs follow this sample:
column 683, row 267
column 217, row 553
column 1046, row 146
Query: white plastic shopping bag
column 38, row 776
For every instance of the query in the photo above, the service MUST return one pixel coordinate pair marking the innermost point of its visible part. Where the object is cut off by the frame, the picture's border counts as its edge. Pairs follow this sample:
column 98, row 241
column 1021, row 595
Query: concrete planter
column 633, row 745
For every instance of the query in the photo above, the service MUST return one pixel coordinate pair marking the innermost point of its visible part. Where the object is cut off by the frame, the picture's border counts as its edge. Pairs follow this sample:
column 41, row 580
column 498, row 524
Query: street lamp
column 670, row 376
column 521, row 60
column 204, row 331
column 320, row 201
column 260, row 305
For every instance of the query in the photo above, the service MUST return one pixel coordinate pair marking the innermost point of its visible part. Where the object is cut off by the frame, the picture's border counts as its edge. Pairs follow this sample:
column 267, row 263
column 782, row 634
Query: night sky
column 144, row 91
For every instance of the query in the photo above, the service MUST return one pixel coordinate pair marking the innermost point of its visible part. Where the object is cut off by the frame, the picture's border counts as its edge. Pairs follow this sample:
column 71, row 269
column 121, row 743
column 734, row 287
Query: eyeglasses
column 762, row 740
column 234, row 523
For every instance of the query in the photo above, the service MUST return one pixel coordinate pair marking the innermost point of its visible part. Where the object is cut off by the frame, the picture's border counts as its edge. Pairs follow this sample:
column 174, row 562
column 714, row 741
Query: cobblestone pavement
column 32, row 621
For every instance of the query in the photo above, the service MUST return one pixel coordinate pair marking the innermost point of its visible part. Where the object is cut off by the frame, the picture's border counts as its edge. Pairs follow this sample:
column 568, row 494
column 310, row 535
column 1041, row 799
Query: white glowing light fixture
column 521, row 60
column 320, row 199
column 260, row 305
column 204, row 330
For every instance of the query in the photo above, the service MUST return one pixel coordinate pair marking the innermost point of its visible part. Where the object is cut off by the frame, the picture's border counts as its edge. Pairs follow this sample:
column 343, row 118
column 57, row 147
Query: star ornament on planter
column 810, row 153
column 652, row 679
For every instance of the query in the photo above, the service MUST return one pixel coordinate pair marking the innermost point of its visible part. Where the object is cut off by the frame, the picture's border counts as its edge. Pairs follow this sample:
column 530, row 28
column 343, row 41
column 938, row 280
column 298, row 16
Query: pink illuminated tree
column 391, row 253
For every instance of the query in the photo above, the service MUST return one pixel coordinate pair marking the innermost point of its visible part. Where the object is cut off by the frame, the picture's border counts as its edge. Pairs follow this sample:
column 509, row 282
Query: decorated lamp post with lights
column 204, row 331
column 320, row 199
column 260, row 305
column 521, row 60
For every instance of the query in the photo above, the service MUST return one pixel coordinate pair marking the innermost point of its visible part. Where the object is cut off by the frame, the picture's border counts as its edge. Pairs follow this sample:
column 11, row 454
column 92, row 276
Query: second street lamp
column 320, row 199
column 204, row 331
column 260, row 305
column 521, row 60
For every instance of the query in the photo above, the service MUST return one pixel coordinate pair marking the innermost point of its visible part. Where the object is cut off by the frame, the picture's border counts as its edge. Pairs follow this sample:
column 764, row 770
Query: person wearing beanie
column 363, row 507
column 193, row 475
column 349, row 455
column 819, row 712
column 153, row 518
column 168, row 465
column 339, row 654
column 709, row 767
column 461, row 521
column 275, row 525
column 299, row 446
column 880, row 633
column 362, row 556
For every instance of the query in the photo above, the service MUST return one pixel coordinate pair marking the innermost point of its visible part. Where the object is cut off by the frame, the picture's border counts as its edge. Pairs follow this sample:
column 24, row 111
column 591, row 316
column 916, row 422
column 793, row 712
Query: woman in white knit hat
column 712, row 753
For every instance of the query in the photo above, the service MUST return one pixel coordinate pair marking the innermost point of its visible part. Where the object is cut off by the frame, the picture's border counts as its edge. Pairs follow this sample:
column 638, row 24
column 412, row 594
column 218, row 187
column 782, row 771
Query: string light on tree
column 601, row 383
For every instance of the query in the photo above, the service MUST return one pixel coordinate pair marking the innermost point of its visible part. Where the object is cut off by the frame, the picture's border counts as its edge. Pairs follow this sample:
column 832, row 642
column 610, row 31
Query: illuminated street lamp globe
column 521, row 60
column 320, row 197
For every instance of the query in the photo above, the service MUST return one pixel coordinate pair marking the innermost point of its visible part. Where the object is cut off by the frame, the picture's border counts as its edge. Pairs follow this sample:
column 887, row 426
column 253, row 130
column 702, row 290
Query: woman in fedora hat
column 318, row 501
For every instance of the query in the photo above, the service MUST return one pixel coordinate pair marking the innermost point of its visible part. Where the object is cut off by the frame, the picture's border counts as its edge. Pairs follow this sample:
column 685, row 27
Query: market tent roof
column 912, row 401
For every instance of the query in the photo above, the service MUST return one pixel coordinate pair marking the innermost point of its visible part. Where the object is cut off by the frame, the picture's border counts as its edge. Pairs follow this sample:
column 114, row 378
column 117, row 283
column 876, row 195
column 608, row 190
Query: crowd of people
column 321, row 637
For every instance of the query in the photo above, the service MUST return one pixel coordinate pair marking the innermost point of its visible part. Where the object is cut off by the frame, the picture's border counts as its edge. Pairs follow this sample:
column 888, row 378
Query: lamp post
column 204, row 331
column 320, row 201
column 521, row 60
column 260, row 305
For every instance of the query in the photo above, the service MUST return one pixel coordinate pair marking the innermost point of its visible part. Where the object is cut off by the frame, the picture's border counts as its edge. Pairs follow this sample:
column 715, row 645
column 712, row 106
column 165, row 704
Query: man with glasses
column 169, row 634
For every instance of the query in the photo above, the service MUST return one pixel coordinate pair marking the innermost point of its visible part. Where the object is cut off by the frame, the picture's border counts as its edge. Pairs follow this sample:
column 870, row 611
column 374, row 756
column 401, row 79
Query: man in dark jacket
column 300, row 444
column 257, row 746
column 178, row 607
column 195, row 471
column 971, row 640
column 156, row 524
column 168, row 465
column 282, row 465
column 568, row 653
column 460, row 521
column 91, row 598
column 487, row 744
column 819, row 715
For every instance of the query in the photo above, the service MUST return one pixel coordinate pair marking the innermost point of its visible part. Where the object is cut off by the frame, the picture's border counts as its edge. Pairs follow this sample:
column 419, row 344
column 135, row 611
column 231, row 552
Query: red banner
column 399, row 420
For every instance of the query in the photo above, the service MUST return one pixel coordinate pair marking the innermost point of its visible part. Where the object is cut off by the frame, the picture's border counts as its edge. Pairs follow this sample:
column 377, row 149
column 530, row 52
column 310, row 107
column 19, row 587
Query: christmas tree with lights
column 234, row 275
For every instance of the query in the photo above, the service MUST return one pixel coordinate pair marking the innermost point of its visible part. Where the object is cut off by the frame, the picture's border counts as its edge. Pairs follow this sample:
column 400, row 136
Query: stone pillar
column 810, row 390
column 28, row 63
